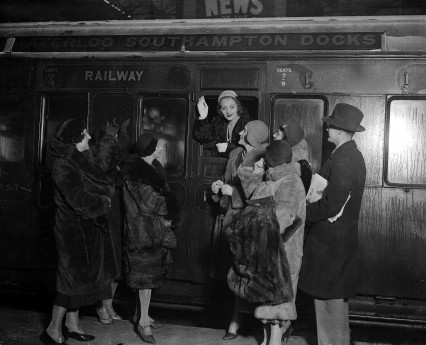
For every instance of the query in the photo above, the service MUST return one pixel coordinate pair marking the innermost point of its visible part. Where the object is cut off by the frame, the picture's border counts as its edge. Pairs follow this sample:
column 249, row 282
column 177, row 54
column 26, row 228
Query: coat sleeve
column 205, row 132
column 340, row 180
column 250, row 180
column 108, row 153
column 287, row 200
column 146, row 198
column 86, row 204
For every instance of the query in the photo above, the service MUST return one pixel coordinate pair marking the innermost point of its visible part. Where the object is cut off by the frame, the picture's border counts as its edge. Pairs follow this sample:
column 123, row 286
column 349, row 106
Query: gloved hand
column 221, row 147
column 259, row 166
column 226, row 189
column 203, row 108
column 112, row 128
column 124, row 125
column 216, row 186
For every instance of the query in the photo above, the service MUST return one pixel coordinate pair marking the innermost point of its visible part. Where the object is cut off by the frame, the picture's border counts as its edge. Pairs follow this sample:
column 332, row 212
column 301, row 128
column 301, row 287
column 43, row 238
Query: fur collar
column 274, row 174
column 136, row 169
column 83, row 161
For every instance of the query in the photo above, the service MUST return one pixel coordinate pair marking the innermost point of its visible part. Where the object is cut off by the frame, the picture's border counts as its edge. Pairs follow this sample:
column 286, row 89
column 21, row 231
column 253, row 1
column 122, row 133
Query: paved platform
column 20, row 327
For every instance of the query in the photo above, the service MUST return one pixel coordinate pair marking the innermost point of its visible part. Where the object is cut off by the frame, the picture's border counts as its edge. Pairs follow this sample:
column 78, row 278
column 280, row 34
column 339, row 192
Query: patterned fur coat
column 82, row 193
column 147, row 240
column 284, row 185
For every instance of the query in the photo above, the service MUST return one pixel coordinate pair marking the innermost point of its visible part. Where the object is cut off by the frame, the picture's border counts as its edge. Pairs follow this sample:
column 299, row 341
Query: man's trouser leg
column 332, row 318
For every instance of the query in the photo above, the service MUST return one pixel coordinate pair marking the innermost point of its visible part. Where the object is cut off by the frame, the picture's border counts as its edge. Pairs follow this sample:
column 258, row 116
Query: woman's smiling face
column 229, row 108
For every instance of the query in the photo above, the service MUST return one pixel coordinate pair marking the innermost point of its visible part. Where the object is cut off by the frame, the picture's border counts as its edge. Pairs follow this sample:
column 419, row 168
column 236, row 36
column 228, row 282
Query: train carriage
column 152, row 73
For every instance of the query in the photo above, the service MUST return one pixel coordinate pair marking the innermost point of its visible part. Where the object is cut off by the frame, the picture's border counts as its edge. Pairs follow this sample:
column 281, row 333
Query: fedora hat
column 346, row 117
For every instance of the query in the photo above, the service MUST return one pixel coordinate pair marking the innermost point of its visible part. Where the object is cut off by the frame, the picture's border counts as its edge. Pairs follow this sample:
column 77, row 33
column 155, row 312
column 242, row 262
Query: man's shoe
column 77, row 336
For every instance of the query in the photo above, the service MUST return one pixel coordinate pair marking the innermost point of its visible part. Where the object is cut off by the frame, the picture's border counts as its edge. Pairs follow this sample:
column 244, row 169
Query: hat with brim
column 346, row 117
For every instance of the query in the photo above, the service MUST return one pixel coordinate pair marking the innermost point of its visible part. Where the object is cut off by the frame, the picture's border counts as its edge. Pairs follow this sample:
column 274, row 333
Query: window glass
column 13, row 121
column 308, row 113
column 166, row 119
column 407, row 142
column 110, row 106
column 57, row 109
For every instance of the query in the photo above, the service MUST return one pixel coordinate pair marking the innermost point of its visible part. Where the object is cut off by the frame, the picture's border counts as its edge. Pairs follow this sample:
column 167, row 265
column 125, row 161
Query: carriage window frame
column 388, row 138
column 274, row 123
column 142, row 99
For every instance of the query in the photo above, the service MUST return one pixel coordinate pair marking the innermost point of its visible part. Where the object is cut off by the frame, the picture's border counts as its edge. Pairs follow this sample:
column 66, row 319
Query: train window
column 250, row 103
column 56, row 109
column 106, row 107
column 166, row 119
column 13, row 122
column 308, row 112
column 406, row 151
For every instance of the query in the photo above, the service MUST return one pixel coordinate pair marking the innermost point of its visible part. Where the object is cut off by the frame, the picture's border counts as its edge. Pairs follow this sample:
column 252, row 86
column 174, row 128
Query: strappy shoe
column 287, row 333
column 141, row 331
column 230, row 336
column 113, row 314
column 103, row 316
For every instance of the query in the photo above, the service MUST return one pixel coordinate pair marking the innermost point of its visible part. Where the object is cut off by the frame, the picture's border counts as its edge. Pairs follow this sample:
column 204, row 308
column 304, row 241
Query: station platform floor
column 23, row 319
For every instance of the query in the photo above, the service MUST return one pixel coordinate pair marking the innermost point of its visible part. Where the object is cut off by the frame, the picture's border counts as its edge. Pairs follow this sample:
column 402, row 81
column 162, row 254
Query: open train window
column 166, row 118
column 250, row 103
column 307, row 111
column 406, row 141
column 110, row 106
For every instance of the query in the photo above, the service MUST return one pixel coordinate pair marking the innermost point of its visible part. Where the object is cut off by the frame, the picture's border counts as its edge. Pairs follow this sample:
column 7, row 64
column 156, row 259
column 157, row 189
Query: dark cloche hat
column 346, row 117
column 278, row 153
column 146, row 145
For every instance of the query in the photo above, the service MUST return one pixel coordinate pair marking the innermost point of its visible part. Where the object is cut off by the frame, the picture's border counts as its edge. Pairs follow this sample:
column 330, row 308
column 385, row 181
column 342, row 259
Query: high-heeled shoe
column 230, row 336
column 103, row 316
column 112, row 313
column 287, row 333
column 46, row 339
column 141, row 331
column 76, row 335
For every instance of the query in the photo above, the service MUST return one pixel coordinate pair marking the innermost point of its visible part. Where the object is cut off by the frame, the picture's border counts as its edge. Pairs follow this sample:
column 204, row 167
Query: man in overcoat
column 330, row 261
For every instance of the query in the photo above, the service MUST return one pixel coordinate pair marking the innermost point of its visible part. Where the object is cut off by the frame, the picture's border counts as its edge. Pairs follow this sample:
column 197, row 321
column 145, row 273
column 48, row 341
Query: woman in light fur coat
column 229, row 193
column 284, row 185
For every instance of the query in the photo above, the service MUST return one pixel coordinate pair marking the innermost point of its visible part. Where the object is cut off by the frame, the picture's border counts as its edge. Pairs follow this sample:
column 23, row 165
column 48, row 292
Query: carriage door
column 165, row 117
column 307, row 111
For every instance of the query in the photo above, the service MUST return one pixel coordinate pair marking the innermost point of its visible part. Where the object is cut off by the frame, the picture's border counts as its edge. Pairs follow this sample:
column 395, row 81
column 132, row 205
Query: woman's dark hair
column 71, row 131
column 241, row 109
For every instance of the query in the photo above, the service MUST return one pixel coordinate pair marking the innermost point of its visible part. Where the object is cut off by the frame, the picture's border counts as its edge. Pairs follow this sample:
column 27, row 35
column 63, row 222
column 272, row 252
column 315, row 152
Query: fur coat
column 284, row 185
column 148, row 202
column 82, row 193
column 230, row 208
column 209, row 133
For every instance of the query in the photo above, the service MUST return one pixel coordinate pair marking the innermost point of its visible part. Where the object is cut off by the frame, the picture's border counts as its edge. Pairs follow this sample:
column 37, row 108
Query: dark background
column 86, row 10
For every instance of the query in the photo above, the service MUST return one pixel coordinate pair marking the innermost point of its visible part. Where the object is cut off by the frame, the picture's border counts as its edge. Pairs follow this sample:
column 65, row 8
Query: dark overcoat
column 330, row 260
column 82, row 193
column 147, row 202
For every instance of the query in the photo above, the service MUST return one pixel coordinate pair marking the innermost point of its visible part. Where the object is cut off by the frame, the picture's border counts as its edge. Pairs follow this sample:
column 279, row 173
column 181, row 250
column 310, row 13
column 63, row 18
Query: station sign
column 199, row 42
column 117, row 75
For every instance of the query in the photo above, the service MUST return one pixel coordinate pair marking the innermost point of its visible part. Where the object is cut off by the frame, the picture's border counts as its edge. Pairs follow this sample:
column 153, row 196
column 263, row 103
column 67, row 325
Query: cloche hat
column 146, row 144
column 278, row 152
column 293, row 132
column 227, row 93
column 257, row 132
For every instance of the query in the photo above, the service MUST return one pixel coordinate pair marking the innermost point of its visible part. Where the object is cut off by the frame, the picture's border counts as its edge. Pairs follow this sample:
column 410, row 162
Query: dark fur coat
column 82, row 193
column 147, row 240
